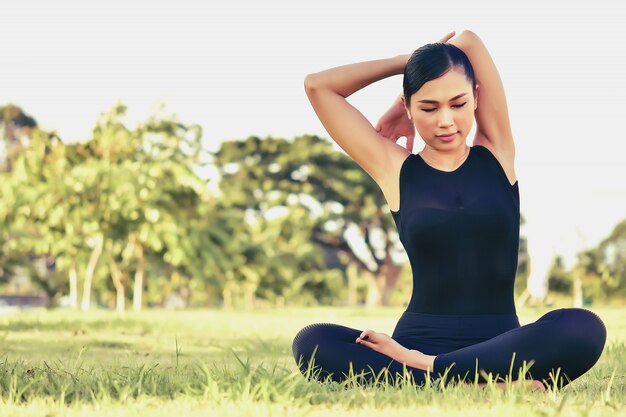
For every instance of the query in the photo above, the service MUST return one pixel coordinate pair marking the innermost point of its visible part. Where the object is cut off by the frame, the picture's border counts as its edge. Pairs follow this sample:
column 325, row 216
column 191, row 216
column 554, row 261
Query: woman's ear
column 408, row 112
column 476, row 97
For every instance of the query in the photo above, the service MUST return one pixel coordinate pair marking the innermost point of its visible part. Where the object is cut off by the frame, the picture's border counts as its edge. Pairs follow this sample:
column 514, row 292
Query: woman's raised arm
column 327, row 91
column 492, row 114
column 373, row 149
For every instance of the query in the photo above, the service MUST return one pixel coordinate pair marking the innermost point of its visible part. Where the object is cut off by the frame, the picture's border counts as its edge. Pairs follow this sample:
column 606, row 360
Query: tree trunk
column 280, row 301
column 73, row 276
column 138, row 290
column 185, row 292
column 227, row 295
column 227, row 292
column 90, row 271
column 165, row 289
column 375, row 284
column 249, row 296
column 578, row 288
column 523, row 298
column 352, row 273
column 116, row 277
column 392, row 275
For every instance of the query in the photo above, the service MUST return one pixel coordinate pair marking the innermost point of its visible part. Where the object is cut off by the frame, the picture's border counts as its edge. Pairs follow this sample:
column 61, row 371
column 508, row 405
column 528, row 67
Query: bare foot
column 535, row 385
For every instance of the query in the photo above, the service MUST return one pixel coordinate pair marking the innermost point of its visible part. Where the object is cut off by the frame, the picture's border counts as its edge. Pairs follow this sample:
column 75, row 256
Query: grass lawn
column 239, row 363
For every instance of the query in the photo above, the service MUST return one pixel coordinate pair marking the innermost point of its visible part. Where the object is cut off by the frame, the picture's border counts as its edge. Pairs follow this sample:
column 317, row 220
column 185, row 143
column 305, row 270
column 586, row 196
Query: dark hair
column 431, row 61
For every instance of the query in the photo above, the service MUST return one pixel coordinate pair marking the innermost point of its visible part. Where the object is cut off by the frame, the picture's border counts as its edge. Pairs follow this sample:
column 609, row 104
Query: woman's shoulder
column 398, row 158
column 505, row 159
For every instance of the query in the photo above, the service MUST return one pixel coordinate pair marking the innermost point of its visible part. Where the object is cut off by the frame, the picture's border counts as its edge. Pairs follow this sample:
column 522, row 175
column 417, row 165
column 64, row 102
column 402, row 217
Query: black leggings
column 571, row 339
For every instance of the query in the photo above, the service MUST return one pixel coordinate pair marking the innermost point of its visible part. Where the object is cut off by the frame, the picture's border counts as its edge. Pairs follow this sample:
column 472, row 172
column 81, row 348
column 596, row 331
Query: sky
column 237, row 69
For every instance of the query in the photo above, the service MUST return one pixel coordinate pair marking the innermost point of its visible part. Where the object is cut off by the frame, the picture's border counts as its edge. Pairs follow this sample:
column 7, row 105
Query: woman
column 457, row 212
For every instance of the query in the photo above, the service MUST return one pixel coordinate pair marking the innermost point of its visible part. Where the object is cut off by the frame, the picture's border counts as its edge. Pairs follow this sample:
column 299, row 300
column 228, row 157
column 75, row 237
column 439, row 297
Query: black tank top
column 460, row 230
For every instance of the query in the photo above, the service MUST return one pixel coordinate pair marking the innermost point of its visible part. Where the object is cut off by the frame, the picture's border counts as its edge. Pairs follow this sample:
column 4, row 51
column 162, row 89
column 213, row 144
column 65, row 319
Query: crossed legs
column 559, row 347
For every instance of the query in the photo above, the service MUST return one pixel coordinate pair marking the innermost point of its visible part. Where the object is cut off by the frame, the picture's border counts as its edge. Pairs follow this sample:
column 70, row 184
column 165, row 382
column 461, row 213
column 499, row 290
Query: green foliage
column 136, row 189
column 302, row 196
column 559, row 279
column 611, row 262
column 601, row 270
column 125, row 212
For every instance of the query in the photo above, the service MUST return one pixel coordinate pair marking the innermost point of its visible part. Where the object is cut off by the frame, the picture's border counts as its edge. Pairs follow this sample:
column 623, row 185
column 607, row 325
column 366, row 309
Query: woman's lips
column 447, row 138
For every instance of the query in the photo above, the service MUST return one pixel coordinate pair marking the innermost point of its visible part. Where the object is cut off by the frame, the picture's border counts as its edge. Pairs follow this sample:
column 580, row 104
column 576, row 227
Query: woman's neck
column 445, row 160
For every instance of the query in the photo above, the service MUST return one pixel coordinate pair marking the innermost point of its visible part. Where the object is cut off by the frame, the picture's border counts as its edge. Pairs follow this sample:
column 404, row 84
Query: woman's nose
column 445, row 118
column 445, row 122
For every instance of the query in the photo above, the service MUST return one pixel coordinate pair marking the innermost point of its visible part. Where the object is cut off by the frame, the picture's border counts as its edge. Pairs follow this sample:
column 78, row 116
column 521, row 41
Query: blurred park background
column 166, row 156
column 172, row 211
column 124, row 218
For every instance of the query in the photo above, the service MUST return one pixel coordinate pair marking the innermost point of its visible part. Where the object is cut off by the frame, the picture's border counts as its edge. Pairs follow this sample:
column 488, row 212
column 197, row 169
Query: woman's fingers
column 409, row 142
column 447, row 37
column 371, row 336
column 364, row 339
column 370, row 345
column 365, row 334
column 379, row 128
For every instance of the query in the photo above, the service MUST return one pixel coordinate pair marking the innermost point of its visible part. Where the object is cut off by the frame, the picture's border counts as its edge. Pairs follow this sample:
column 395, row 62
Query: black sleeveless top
column 460, row 230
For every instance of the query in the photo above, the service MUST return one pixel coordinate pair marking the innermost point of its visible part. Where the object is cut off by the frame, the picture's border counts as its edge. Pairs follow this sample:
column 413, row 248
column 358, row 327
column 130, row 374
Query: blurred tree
column 151, row 197
column 598, row 274
column 122, row 194
column 612, row 264
column 602, row 270
column 524, row 265
column 559, row 279
column 15, row 131
column 344, row 208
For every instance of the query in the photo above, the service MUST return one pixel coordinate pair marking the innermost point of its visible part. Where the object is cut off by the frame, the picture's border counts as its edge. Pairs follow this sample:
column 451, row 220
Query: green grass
column 216, row 362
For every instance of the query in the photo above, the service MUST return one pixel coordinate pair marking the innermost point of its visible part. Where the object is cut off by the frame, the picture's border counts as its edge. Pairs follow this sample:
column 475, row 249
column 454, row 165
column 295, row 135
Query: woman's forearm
column 417, row 359
column 347, row 79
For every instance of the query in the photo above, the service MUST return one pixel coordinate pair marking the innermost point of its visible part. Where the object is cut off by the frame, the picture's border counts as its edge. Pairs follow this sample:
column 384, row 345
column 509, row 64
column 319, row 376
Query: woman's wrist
column 403, row 59
column 347, row 79
column 419, row 360
column 400, row 61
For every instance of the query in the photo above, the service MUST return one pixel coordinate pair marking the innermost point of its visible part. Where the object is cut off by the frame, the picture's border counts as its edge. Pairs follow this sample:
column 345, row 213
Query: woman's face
column 444, row 105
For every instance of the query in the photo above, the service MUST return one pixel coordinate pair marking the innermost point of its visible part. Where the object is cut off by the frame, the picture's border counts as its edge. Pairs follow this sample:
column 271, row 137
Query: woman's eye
column 458, row 106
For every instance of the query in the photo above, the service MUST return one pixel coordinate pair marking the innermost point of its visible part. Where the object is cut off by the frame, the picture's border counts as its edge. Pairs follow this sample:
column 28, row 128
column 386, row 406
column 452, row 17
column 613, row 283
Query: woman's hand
column 383, row 343
column 447, row 37
column 395, row 123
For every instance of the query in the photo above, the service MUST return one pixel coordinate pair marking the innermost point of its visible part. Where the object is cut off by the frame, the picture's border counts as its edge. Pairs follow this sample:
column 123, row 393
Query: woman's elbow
column 310, row 82
column 468, row 34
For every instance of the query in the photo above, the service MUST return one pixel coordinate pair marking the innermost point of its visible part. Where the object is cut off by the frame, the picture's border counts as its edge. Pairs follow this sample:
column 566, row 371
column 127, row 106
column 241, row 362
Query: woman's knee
column 315, row 337
column 583, row 330
column 304, row 338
